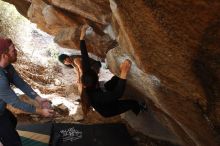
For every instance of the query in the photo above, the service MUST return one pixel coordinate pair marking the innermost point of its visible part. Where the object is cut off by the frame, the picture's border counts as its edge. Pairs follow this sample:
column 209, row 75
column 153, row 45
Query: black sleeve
column 110, row 96
column 111, row 84
column 85, row 56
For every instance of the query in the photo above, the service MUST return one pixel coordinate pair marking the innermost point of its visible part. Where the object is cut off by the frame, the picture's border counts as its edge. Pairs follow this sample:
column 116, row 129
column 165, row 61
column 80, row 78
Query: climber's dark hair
column 62, row 57
column 90, row 79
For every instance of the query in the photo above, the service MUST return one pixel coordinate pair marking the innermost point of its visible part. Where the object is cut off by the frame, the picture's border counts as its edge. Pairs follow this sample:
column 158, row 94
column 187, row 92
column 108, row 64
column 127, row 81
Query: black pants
column 8, row 133
column 118, row 106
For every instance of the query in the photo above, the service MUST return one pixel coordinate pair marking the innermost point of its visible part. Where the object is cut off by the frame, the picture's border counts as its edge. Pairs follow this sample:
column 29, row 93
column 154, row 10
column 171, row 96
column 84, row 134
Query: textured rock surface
column 22, row 6
column 64, row 23
column 164, row 38
column 97, row 11
column 174, row 47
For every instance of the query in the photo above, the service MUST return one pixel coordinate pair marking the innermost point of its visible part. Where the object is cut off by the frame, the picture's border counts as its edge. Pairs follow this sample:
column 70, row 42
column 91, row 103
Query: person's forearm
column 85, row 57
column 8, row 96
column 38, row 99
column 123, row 75
column 21, row 84
column 82, row 36
column 83, row 32
column 83, row 49
column 125, row 68
column 24, row 106
column 26, row 88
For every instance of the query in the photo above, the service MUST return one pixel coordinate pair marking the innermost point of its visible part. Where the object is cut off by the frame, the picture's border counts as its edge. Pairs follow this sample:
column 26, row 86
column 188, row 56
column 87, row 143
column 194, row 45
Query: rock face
column 164, row 39
column 175, row 50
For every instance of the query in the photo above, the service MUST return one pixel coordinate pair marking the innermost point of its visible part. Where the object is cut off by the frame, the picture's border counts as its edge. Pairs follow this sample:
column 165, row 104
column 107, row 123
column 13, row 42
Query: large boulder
column 164, row 39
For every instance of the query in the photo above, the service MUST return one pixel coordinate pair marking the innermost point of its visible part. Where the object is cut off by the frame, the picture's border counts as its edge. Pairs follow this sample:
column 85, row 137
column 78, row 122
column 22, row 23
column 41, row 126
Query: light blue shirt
column 8, row 96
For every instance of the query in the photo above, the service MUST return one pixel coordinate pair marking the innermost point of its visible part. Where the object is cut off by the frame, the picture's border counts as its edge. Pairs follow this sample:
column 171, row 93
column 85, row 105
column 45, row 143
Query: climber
column 69, row 60
column 9, row 76
column 106, row 102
